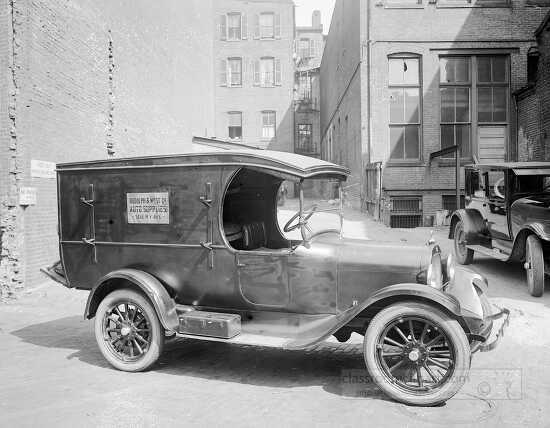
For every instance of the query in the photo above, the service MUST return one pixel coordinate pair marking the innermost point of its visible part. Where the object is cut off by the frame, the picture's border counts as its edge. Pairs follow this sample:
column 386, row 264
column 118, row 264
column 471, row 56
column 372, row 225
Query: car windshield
column 321, row 207
column 533, row 184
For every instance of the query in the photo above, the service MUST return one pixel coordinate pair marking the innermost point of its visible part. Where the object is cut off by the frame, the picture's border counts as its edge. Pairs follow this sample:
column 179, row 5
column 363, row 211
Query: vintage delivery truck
column 193, row 245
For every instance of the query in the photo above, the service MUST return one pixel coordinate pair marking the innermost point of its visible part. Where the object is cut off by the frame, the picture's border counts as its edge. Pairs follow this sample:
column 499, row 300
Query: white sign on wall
column 148, row 208
column 42, row 169
column 27, row 196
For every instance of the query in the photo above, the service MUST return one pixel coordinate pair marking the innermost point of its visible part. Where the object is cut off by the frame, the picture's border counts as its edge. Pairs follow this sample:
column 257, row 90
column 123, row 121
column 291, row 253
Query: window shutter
column 257, row 79
column 244, row 27
column 223, row 27
column 278, row 72
column 223, row 72
column 256, row 26
column 277, row 25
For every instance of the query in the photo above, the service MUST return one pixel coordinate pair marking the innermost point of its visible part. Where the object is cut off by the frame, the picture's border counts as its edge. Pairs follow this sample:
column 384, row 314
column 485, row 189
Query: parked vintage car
column 191, row 245
column 507, row 216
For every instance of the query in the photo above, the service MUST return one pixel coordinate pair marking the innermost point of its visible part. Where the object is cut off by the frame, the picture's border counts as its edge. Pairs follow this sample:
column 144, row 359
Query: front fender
column 474, row 226
column 384, row 297
column 164, row 305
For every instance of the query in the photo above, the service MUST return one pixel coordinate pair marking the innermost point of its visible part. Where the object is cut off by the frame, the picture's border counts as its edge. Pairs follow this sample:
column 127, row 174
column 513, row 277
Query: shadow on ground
column 324, row 365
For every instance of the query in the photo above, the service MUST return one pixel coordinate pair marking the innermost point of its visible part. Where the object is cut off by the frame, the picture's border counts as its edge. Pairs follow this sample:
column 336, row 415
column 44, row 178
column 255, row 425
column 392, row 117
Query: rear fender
column 164, row 305
column 475, row 227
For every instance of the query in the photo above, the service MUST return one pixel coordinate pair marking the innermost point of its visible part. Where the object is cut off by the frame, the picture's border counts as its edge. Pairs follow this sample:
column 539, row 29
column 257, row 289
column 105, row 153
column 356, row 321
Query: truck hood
column 365, row 266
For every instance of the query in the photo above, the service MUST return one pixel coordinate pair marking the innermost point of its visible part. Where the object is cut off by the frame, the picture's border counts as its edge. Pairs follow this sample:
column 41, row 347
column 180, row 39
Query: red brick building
column 533, row 101
column 90, row 79
column 401, row 79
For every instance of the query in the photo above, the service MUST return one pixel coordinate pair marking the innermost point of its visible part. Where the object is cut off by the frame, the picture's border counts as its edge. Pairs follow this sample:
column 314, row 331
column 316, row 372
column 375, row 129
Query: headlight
column 450, row 268
column 435, row 270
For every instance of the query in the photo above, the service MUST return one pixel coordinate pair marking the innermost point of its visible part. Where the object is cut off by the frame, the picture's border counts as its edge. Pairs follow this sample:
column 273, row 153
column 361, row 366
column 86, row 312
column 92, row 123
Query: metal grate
column 406, row 212
column 405, row 221
column 408, row 205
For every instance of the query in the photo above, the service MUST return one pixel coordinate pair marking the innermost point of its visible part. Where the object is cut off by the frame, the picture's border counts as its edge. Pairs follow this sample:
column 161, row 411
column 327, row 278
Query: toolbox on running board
column 210, row 324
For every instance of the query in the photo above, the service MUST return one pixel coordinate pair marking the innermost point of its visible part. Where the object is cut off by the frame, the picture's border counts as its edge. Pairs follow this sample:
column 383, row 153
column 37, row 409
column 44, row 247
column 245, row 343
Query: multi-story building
column 402, row 79
column 90, row 79
column 533, row 101
column 254, row 67
column 309, row 45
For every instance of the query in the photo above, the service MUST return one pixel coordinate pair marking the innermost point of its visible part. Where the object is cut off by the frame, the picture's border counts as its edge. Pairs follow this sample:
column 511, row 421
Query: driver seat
column 254, row 235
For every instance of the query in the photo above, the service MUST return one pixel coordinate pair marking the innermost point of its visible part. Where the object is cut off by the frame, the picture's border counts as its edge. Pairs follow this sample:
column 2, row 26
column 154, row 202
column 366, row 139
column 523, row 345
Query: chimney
column 316, row 19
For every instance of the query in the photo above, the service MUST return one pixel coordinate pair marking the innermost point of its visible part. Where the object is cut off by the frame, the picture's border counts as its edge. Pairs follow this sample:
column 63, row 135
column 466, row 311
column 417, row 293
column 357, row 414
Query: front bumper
column 470, row 290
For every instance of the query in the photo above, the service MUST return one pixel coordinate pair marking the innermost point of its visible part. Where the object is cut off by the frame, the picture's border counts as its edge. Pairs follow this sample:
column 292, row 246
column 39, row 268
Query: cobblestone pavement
column 52, row 374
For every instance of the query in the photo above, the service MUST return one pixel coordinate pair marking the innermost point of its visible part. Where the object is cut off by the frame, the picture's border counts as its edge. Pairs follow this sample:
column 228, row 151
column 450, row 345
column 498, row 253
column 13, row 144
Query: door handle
column 240, row 265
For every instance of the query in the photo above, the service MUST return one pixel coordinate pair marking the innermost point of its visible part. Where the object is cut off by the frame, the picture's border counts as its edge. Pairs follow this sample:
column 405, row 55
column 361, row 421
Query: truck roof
column 510, row 165
column 289, row 163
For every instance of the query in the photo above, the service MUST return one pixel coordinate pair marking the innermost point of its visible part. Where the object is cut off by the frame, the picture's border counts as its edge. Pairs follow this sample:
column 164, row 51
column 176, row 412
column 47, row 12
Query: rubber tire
column 469, row 257
column 454, row 333
column 157, row 331
column 535, row 256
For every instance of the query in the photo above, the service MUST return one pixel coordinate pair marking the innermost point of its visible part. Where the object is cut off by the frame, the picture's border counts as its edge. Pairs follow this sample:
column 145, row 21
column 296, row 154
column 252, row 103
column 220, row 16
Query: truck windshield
column 316, row 201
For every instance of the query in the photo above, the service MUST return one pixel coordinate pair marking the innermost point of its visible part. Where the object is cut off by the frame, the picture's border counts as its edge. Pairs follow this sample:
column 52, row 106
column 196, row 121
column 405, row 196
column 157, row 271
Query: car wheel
column 128, row 331
column 416, row 353
column 463, row 254
column 534, row 266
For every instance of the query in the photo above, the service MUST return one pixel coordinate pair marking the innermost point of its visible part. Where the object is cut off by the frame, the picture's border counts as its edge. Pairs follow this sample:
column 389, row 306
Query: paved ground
column 52, row 374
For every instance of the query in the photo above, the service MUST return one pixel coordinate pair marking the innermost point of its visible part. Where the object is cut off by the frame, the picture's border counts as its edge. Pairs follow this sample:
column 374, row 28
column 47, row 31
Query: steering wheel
column 308, row 212
column 497, row 190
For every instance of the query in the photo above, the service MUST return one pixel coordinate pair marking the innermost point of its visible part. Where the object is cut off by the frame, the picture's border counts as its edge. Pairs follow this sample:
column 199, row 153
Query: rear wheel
column 416, row 353
column 128, row 331
column 534, row 266
column 463, row 254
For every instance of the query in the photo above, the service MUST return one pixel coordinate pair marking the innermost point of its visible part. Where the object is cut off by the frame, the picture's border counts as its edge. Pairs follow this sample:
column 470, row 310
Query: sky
column 304, row 8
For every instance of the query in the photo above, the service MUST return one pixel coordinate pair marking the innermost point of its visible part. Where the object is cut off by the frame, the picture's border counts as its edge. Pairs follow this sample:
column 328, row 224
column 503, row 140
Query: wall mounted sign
column 42, row 169
column 27, row 196
column 148, row 208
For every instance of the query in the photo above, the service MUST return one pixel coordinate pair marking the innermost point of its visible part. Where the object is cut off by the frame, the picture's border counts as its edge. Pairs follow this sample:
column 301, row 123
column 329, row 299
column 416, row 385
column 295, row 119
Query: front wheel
column 463, row 254
column 534, row 266
column 128, row 331
column 416, row 353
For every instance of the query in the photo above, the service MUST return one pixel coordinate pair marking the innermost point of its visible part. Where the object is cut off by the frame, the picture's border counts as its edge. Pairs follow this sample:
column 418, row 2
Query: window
column 235, row 71
column 449, row 202
column 234, row 26
column 267, row 25
column 474, row 98
column 306, row 48
column 267, row 72
column 455, row 83
column 492, row 91
column 405, row 110
column 305, row 139
column 235, row 125
column 268, row 124
column 304, row 86
column 532, row 65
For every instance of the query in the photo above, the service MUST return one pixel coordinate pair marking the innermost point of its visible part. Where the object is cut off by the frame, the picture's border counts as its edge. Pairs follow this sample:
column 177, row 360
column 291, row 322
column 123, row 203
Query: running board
column 491, row 252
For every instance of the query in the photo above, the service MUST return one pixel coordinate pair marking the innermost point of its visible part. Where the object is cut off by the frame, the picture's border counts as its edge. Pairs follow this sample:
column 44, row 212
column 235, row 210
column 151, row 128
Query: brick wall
column 543, row 89
column 427, row 31
column 90, row 75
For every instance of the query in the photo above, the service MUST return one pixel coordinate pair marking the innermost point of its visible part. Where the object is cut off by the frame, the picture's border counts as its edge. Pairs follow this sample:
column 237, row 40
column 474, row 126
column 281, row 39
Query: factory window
column 268, row 124
column 403, row 3
column 235, row 122
column 405, row 108
column 474, row 104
